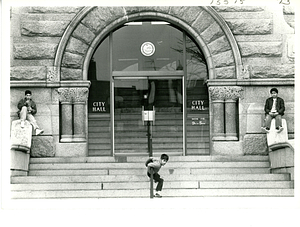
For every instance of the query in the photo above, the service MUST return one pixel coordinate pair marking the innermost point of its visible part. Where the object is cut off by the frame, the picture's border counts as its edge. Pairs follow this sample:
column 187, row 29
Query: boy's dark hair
column 165, row 157
column 274, row 89
column 27, row 92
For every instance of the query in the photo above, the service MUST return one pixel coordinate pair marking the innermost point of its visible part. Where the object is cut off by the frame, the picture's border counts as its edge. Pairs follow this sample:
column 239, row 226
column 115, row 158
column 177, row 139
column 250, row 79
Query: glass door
column 131, row 96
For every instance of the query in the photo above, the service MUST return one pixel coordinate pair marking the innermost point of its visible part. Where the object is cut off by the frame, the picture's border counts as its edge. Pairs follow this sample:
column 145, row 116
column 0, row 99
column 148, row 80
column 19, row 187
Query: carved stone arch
column 92, row 24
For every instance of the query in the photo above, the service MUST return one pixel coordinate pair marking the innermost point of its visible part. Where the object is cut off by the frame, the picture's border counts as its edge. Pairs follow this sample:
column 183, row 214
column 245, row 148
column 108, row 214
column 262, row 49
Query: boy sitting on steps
column 274, row 108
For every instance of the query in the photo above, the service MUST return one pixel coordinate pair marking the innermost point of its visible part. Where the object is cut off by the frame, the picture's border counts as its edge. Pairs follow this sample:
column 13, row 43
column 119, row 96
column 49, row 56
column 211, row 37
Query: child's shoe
column 39, row 131
column 267, row 130
column 279, row 129
column 157, row 195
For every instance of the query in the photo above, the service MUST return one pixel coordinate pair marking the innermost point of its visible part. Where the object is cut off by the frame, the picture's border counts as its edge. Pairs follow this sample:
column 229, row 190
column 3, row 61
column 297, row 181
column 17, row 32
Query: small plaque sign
column 147, row 49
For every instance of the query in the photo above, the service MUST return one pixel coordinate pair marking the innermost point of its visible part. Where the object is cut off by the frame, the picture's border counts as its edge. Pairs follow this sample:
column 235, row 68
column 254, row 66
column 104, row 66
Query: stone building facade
column 248, row 50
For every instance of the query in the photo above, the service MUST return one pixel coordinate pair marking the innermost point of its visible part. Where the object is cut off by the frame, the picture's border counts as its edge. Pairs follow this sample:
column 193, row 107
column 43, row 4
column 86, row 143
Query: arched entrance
column 93, row 24
column 148, row 65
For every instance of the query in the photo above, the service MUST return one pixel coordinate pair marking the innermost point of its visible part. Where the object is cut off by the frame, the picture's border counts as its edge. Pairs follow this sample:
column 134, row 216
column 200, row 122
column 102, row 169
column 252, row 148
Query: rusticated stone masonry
column 73, row 114
column 224, row 101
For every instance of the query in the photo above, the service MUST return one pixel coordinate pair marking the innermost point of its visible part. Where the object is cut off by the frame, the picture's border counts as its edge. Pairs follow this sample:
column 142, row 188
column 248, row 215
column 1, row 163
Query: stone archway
column 92, row 24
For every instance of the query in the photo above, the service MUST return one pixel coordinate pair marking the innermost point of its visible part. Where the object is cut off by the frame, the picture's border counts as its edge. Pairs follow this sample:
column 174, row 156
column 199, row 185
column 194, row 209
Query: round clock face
column 147, row 49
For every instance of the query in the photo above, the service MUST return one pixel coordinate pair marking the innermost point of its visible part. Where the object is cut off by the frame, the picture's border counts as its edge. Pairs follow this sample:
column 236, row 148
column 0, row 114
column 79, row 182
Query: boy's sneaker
column 157, row 195
column 22, row 124
column 265, row 129
column 39, row 131
column 280, row 129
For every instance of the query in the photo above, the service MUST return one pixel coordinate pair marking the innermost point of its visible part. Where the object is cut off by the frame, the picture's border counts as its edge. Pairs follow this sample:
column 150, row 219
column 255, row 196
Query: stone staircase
column 185, row 176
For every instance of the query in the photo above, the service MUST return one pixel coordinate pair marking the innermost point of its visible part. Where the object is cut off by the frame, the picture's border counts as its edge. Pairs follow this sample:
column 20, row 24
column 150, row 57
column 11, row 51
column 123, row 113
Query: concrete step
column 173, row 165
column 141, row 171
column 145, row 185
column 144, row 193
column 205, row 158
column 141, row 178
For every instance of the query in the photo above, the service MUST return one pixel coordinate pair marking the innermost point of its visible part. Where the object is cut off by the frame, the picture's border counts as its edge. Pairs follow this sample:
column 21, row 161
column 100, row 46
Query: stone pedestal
column 281, row 158
column 20, row 148
column 21, row 137
column 19, row 163
column 274, row 137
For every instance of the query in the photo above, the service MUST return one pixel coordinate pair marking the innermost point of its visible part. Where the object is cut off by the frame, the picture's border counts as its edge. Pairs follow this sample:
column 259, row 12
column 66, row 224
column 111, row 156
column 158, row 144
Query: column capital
column 73, row 94
column 81, row 95
column 64, row 95
column 225, row 92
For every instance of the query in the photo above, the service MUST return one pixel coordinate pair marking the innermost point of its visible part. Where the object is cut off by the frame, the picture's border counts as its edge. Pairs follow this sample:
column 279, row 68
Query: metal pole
column 151, row 184
column 150, row 155
column 149, row 134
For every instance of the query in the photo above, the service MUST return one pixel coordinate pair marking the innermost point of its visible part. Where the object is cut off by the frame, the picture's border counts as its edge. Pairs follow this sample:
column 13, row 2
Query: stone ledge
column 250, row 82
column 40, row 84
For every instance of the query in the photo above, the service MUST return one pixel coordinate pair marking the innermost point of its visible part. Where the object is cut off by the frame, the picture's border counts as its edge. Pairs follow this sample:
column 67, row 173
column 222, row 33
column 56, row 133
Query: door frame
column 159, row 75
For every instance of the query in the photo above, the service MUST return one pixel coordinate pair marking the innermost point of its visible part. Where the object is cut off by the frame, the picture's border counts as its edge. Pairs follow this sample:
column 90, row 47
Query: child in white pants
column 27, row 108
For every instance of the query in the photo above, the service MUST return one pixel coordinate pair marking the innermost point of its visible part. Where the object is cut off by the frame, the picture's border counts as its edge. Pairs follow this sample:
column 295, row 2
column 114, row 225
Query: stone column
column 80, row 98
column 65, row 98
column 231, row 96
column 224, row 101
column 217, row 98
column 218, row 120
column 230, row 120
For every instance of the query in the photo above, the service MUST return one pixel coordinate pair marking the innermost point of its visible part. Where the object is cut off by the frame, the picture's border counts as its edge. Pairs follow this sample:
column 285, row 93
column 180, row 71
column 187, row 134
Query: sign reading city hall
column 198, row 105
column 99, row 107
column 196, row 117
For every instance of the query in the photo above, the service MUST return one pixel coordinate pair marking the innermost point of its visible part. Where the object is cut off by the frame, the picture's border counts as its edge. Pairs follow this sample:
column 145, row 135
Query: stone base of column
column 79, row 138
column 219, row 136
column 66, row 138
column 231, row 137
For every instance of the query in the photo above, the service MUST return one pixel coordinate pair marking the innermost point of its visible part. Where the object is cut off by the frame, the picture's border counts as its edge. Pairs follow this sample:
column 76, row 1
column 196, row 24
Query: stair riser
column 90, row 179
column 146, row 185
column 125, row 177
column 143, row 159
column 142, row 171
column 144, row 193
column 142, row 165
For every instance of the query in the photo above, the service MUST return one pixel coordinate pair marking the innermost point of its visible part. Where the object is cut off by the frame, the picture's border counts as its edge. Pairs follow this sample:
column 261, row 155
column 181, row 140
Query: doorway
column 131, row 97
